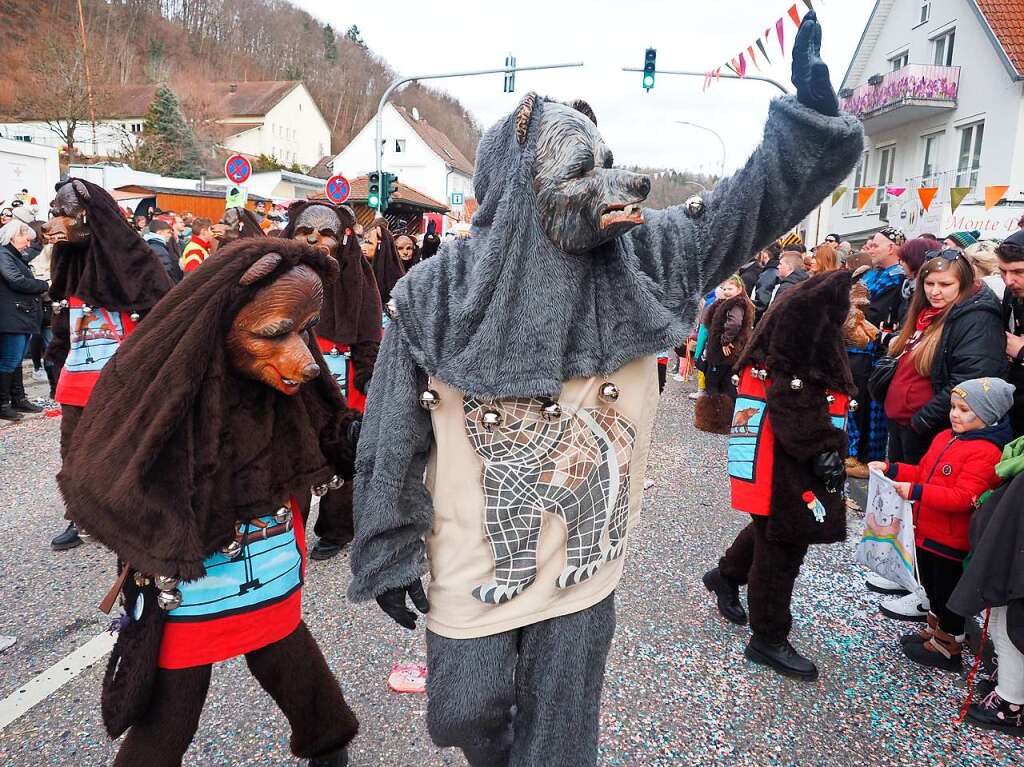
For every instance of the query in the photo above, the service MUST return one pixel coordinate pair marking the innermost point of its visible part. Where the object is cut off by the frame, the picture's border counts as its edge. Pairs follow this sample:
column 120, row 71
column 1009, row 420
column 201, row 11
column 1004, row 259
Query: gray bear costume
column 507, row 424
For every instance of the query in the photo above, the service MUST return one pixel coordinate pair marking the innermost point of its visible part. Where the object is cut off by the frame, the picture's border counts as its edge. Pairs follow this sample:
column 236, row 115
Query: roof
column 323, row 167
column 439, row 143
column 251, row 98
column 1005, row 19
column 404, row 194
column 145, row 190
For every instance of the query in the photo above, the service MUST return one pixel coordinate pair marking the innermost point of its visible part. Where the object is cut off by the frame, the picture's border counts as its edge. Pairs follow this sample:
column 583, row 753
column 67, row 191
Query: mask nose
column 643, row 185
column 311, row 371
column 311, row 240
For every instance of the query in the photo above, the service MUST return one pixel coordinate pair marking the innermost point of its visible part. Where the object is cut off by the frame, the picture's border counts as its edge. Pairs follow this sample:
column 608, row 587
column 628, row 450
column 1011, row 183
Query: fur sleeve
column 393, row 510
column 364, row 357
column 58, row 348
column 803, row 156
column 800, row 421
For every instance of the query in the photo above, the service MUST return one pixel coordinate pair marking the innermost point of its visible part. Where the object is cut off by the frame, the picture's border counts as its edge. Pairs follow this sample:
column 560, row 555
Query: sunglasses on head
column 948, row 254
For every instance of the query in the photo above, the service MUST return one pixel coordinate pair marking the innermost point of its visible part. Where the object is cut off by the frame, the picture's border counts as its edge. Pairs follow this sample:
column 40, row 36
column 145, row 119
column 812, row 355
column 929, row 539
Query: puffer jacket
column 947, row 483
column 21, row 304
column 972, row 345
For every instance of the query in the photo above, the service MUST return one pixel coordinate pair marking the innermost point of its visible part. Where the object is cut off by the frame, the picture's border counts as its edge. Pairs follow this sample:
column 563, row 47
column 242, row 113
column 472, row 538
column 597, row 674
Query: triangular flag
column 781, row 35
column 794, row 14
column 926, row 194
column 993, row 194
column 763, row 51
column 707, row 80
column 742, row 66
column 732, row 65
column 956, row 196
column 864, row 194
column 837, row 195
column 896, row 191
column 753, row 58
column 808, row 4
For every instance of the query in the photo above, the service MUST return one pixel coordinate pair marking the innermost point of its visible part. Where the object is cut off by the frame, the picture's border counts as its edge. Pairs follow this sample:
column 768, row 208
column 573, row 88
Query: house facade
column 419, row 154
column 939, row 86
column 276, row 118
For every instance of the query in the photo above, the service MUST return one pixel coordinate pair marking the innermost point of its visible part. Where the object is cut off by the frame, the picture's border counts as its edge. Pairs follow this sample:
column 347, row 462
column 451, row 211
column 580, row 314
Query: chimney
column 233, row 88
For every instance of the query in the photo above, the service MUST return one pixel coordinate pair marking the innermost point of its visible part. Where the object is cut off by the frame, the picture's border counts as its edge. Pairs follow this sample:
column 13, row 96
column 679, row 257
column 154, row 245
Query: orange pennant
column 864, row 194
column 794, row 14
column 993, row 194
column 926, row 194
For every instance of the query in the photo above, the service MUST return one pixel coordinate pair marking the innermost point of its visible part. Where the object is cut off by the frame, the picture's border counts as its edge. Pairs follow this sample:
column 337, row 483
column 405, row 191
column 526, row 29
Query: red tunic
column 96, row 335
column 338, row 355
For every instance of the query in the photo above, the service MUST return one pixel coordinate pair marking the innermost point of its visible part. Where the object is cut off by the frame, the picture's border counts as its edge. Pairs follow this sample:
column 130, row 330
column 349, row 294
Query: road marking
column 56, row 676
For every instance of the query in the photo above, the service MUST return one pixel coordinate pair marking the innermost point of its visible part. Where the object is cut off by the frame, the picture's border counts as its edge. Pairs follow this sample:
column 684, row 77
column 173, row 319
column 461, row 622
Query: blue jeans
column 12, row 350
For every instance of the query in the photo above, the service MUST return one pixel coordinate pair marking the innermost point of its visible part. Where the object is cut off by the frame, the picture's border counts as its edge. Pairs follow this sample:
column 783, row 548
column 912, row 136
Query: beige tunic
column 531, row 516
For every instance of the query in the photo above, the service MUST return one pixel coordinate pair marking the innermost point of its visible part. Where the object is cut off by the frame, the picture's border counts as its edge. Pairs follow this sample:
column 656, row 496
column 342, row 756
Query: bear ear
column 264, row 266
column 584, row 108
column 523, row 112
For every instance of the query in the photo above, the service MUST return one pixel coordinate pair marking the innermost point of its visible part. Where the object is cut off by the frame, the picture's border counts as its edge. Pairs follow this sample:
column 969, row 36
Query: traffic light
column 388, row 188
column 373, row 193
column 649, row 56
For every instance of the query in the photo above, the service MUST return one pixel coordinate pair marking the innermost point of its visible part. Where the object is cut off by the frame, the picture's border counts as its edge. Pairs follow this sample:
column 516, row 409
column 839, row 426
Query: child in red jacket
column 945, row 486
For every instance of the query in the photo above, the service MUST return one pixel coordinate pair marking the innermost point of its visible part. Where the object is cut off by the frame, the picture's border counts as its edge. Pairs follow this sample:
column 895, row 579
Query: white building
column 24, row 166
column 279, row 185
column 419, row 154
column 939, row 85
column 277, row 118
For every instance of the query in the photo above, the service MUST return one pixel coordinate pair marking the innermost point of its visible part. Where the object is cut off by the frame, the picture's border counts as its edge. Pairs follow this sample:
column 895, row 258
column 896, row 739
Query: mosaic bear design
column 575, row 466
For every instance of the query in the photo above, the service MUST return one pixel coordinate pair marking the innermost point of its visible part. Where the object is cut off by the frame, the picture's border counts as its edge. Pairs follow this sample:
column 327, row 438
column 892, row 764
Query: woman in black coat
column 21, row 315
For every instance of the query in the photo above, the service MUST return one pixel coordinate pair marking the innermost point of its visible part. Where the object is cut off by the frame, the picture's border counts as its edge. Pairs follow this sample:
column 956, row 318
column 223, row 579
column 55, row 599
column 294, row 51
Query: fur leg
column 770, row 588
column 739, row 557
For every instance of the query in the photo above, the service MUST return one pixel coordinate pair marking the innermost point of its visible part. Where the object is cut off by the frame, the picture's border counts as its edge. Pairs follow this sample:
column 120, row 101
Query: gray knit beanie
column 989, row 398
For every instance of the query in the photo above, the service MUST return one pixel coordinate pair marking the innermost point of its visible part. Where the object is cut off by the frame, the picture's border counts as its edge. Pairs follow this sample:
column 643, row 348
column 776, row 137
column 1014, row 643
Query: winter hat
column 989, row 398
column 24, row 215
column 963, row 239
column 1012, row 248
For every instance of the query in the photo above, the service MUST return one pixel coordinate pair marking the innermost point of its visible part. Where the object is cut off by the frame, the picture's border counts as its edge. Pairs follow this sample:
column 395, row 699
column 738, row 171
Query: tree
column 353, row 34
column 168, row 145
column 330, row 45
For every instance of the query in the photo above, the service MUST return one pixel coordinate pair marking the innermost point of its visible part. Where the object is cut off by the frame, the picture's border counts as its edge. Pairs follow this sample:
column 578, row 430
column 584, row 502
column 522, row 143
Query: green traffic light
column 373, row 201
column 648, row 81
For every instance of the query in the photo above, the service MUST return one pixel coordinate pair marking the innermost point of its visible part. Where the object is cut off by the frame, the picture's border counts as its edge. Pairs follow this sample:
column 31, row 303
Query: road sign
column 238, row 168
column 457, row 198
column 337, row 189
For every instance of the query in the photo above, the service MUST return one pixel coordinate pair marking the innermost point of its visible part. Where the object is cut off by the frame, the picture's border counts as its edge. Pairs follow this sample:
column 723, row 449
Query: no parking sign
column 238, row 168
column 337, row 189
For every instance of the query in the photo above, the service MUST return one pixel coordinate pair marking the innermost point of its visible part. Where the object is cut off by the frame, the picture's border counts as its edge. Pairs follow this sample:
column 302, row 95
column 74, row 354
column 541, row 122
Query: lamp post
column 712, row 132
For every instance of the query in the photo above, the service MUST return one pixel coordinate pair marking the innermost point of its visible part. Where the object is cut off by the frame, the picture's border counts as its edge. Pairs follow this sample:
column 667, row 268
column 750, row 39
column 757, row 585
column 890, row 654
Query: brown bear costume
column 728, row 322
column 219, row 414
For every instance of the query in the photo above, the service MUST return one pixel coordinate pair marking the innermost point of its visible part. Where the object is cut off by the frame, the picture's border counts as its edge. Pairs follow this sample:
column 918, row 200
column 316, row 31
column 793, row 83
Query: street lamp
column 714, row 133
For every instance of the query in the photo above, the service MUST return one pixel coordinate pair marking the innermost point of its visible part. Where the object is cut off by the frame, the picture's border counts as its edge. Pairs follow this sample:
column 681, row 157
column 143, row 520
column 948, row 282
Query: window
column 399, row 144
column 136, row 128
column 944, row 49
column 886, row 166
column 930, row 149
column 25, row 138
column 926, row 10
column 859, row 180
column 900, row 61
column 970, row 154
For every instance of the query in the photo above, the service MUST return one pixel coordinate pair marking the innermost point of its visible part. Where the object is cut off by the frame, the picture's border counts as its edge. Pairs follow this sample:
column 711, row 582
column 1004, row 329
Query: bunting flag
column 781, row 35
column 808, row 4
column 993, row 194
column 794, row 14
column 837, row 195
column 956, row 196
column 732, row 65
column 864, row 194
column 742, row 66
column 753, row 58
column 896, row 191
column 926, row 194
column 764, row 53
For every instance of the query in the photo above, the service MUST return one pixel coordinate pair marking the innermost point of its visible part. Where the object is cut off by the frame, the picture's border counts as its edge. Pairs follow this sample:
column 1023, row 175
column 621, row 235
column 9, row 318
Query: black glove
column 829, row 467
column 810, row 73
column 393, row 603
column 354, row 429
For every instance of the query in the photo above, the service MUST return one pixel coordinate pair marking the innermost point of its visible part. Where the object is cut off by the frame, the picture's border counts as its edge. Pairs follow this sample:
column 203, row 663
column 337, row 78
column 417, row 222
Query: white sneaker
column 911, row 607
column 695, row 395
column 648, row 483
column 678, row 377
column 880, row 585
column 39, row 375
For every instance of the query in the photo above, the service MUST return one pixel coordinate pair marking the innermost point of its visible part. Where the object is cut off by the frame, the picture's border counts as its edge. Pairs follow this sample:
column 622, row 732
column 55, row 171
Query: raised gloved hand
column 393, row 603
column 810, row 73
column 829, row 466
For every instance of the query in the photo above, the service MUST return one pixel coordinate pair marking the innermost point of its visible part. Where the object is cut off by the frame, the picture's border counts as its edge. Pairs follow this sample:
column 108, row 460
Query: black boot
column 7, row 413
column 325, row 549
column 337, row 759
column 994, row 713
column 781, row 657
column 66, row 540
column 728, row 595
column 19, row 401
column 51, row 376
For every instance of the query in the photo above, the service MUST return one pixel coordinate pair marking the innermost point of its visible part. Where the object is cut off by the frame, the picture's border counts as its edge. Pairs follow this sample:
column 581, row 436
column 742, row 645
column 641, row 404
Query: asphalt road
column 678, row 690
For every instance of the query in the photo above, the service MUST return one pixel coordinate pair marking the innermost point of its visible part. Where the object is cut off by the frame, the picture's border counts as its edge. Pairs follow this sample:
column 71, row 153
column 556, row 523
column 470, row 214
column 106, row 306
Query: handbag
column 881, row 377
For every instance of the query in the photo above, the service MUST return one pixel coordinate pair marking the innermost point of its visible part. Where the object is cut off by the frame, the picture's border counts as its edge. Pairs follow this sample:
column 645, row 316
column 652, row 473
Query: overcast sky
column 426, row 37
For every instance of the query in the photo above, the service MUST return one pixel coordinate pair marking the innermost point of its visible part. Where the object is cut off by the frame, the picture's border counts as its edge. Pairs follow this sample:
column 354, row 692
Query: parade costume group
column 508, row 417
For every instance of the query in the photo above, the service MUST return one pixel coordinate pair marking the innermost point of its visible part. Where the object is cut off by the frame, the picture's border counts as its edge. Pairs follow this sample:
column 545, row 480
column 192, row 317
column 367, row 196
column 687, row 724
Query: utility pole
column 379, row 149
column 721, row 173
column 759, row 78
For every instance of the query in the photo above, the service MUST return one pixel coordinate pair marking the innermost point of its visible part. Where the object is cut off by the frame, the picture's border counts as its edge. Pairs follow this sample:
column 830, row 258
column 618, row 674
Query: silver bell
column 796, row 384
column 853, row 406
column 759, row 373
column 334, row 351
column 169, row 600
column 56, row 306
column 609, row 392
column 430, row 399
column 319, row 490
column 735, row 380
column 335, row 482
column 491, row 420
column 85, row 535
column 282, row 515
column 134, row 316
column 140, row 580
column 232, row 549
column 391, row 308
column 551, row 411
column 86, row 308
column 165, row 582
column 830, row 399
column 695, row 206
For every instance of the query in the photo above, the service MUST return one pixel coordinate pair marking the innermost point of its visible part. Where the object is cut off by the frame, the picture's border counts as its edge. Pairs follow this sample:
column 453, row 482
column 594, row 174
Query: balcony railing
column 914, row 84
